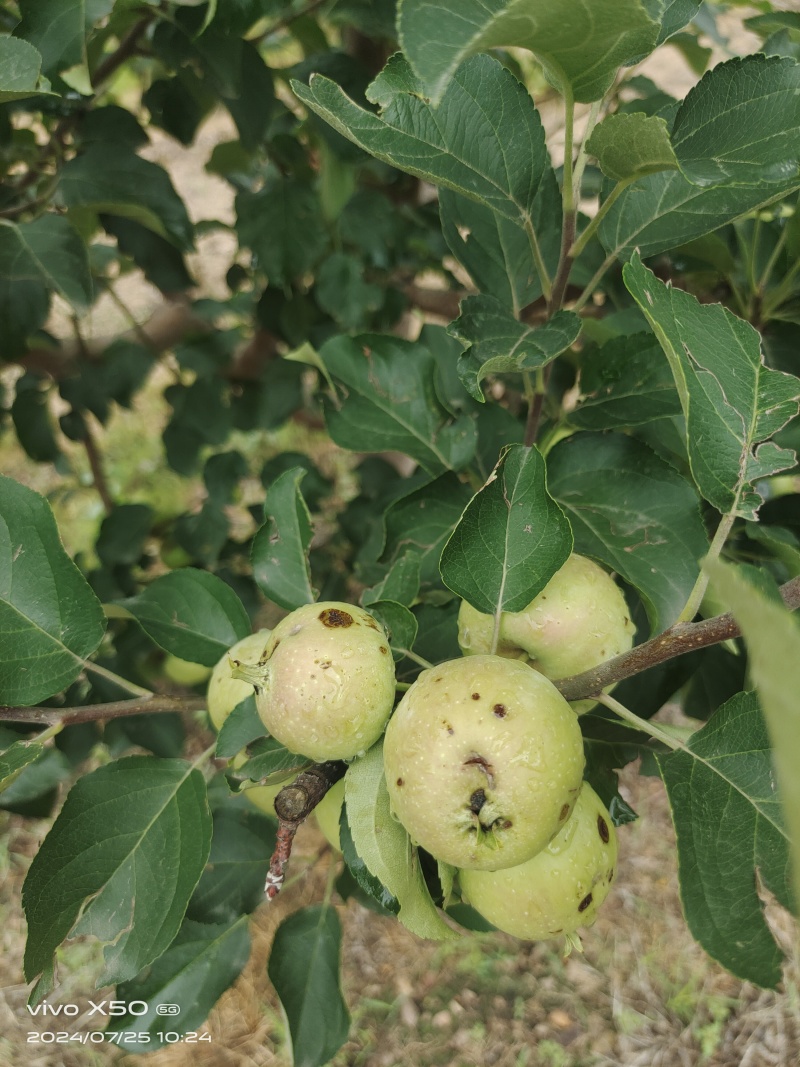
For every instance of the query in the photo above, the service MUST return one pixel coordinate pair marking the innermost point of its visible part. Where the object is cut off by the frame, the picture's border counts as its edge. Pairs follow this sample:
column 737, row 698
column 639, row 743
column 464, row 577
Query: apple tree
column 485, row 404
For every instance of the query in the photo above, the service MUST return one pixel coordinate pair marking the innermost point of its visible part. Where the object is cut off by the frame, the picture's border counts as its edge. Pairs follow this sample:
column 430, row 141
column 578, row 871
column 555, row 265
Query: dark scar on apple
column 483, row 764
column 335, row 617
column 400, row 782
column 563, row 813
column 602, row 829
column 476, row 801
column 476, row 696
column 384, row 650
column 584, row 904
column 500, row 711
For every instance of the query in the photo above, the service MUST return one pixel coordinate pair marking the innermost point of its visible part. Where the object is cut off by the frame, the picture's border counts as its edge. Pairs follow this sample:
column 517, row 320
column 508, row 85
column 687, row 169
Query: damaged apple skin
column 325, row 682
column 483, row 760
column 578, row 621
column 561, row 888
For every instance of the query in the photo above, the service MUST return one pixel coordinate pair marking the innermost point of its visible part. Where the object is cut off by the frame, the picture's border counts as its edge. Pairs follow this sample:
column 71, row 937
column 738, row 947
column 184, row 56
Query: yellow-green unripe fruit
column 325, row 681
column 225, row 692
column 328, row 812
column 184, row 672
column 578, row 621
column 483, row 760
column 560, row 888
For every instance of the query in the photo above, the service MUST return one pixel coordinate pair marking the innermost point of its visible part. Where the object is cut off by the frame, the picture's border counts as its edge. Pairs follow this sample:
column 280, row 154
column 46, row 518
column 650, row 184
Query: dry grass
column 642, row 994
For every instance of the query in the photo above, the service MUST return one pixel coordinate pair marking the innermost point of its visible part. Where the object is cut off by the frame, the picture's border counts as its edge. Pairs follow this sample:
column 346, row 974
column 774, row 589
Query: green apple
column 325, row 681
column 225, row 692
column 483, row 760
column 560, row 888
column 328, row 812
column 578, row 621
column 184, row 672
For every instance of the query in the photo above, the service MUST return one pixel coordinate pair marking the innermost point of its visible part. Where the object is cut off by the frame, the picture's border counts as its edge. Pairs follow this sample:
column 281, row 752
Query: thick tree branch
column 293, row 804
column 679, row 639
column 94, row 712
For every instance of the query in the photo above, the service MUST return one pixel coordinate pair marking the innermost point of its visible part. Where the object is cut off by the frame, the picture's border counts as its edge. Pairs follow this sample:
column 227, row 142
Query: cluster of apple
column 483, row 757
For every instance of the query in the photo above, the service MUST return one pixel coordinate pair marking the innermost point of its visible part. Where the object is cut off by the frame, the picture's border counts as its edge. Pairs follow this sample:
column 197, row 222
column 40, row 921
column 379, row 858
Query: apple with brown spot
column 483, row 760
column 325, row 681
column 560, row 888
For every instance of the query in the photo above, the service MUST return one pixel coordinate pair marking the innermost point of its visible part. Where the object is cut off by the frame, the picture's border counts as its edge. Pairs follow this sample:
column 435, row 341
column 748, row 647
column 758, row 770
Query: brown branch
column 170, row 322
column 283, row 23
column 442, row 302
column 98, row 472
column 118, row 709
column 685, row 637
column 125, row 49
column 293, row 804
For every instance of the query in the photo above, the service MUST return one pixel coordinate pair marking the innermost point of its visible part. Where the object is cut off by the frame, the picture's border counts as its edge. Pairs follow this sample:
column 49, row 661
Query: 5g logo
column 167, row 1009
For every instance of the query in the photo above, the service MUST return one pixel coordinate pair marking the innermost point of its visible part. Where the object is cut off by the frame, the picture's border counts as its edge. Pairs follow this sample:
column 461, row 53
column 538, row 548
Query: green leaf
column 772, row 639
column 232, row 884
column 283, row 226
column 484, row 141
column 125, row 853
column 388, row 402
column 242, row 726
column 632, row 510
column 270, row 762
column 304, row 968
column 399, row 623
column 496, row 251
column 498, row 343
column 343, row 293
column 511, row 539
column 122, row 183
column 741, row 123
column 386, row 849
column 625, row 383
column 674, row 16
column 728, row 824
column 50, row 619
column 630, row 146
column 24, row 307
column 665, row 210
column 20, row 67
column 59, row 28
column 401, row 582
column 15, row 759
column 192, row 614
column 423, row 520
column 48, row 250
column 579, row 49
column 202, row 962
column 732, row 402
column 370, row 886
column 280, row 546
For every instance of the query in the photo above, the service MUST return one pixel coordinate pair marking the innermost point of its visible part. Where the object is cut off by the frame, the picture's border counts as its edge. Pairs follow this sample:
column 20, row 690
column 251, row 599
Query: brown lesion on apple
column 602, row 829
column 333, row 617
column 500, row 710
column 476, row 760
column 563, row 813
column 584, row 904
column 476, row 696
